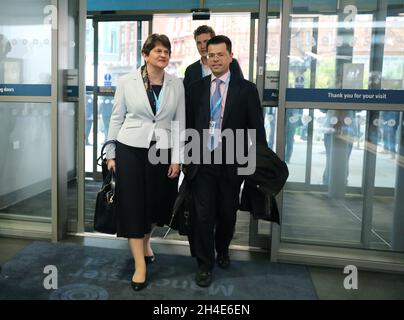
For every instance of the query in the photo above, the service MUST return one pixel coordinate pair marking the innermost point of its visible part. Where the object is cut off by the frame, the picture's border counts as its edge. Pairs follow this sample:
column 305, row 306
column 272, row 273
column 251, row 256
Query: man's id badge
column 212, row 125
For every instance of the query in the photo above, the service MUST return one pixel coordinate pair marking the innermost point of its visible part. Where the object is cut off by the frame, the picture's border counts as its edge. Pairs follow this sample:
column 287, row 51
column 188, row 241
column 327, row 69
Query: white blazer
column 133, row 122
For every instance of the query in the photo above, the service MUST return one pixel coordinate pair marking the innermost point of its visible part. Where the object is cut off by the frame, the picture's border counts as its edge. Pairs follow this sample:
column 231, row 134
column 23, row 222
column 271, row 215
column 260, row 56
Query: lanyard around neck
column 158, row 99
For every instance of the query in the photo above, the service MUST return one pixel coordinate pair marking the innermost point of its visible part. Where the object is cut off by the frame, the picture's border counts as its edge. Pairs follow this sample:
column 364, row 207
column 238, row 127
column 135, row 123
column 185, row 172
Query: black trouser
column 216, row 203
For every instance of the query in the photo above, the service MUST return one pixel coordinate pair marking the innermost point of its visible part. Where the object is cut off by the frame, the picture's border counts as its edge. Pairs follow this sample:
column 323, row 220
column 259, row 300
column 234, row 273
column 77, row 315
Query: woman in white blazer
column 147, row 118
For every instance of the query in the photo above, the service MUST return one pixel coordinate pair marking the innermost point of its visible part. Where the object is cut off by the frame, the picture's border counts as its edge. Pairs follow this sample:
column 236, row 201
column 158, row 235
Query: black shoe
column 223, row 260
column 137, row 286
column 149, row 259
column 203, row 278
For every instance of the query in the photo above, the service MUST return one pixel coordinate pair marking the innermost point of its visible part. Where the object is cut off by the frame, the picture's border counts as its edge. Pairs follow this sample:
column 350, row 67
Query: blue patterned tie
column 213, row 140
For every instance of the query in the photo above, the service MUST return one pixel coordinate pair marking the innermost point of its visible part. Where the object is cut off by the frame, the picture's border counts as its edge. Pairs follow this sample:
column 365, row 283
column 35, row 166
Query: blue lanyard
column 219, row 102
column 158, row 99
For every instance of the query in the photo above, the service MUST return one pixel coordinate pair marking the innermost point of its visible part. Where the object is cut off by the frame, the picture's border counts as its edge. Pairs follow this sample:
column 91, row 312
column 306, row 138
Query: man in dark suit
column 217, row 105
column 200, row 68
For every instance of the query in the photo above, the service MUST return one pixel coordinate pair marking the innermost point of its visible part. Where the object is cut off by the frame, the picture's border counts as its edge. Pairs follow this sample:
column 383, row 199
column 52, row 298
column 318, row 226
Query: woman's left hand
column 173, row 171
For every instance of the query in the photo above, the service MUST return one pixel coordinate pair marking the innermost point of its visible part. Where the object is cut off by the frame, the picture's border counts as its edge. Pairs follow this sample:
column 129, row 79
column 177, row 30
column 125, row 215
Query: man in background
column 200, row 68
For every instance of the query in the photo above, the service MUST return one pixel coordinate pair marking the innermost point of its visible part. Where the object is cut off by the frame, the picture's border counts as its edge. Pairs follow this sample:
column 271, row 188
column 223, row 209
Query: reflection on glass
column 388, row 141
column 293, row 122
column 89, row 132
column 332, row 126
column 272, row 59
column 340, row 131
column 88, row 117
column 329, row 208
column 273, row 43
column 89, row 53
column 326, row 41
column 25, row 159
column 118, row 50
column 25, row 44
column 335, row 132
column 296, row 124
column 105, row 104
column 270, row 126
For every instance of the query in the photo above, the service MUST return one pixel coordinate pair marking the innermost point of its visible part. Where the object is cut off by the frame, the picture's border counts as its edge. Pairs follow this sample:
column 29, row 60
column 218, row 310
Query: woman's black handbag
column 105, row 216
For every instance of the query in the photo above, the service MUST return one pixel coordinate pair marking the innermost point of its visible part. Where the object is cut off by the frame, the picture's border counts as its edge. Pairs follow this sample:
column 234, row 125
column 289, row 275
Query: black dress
column 144, row 193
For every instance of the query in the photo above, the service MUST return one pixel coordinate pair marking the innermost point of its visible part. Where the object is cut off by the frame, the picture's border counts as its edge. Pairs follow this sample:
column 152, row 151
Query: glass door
column 114, row 46
column 339, row 123
column 266, row 76
column 40, row 63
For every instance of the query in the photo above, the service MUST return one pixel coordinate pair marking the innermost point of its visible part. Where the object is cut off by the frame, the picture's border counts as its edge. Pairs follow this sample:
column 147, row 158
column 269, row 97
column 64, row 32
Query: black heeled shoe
column 149, row 259
column 137, row 286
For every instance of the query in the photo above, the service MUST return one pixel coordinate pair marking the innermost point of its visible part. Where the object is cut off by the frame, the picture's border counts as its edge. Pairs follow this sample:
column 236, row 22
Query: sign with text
column 34, row 90
column 71, row 85
column 107, row 90
column 346, row 95
column 272, row 80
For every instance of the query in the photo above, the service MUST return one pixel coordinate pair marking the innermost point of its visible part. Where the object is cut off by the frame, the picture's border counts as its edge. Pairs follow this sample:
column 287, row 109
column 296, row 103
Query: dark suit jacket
column 194, row 72
column 242, row 111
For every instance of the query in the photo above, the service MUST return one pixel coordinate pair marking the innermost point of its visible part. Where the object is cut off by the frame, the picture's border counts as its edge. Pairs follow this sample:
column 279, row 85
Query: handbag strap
column 101, row 158
column 110, row 181
column 105, row 144
column 113, row 181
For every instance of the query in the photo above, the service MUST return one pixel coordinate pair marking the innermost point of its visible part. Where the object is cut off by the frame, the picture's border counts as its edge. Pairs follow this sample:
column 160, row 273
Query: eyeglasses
column 220, row 55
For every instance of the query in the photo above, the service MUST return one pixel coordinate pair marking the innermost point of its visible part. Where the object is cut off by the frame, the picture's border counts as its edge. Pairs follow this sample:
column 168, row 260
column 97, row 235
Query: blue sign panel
column 107, row 80
column 72, row 91
column 37, row 90
column 299, row 82
column 271, row 95
column 345, row 95
column 100, row 5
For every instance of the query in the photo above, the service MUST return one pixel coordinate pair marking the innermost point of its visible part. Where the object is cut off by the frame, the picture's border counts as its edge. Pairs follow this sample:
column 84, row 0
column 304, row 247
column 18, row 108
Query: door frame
column 96, row 18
